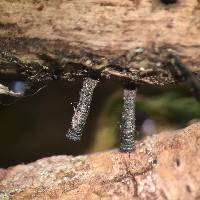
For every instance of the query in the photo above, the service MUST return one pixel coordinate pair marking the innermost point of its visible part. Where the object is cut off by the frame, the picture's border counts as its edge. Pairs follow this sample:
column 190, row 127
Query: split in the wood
column 170, row 63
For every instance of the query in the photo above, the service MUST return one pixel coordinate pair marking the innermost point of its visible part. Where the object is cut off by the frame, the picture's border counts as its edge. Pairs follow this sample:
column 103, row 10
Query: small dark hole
column 178, row 162
column 155, row 161
column 188, row 188
column 168, row 1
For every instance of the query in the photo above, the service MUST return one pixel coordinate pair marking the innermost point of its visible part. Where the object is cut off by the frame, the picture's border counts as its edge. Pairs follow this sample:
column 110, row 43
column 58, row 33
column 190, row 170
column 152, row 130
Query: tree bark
column 165, row 166
column 123, row 40
column 129, row 41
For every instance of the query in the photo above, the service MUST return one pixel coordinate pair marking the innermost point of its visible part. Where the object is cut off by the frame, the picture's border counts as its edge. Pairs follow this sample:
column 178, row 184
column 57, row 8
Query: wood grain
column 129, row 38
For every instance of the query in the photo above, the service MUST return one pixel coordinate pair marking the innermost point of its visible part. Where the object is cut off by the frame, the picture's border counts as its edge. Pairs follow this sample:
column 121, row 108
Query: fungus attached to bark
column 82, row 110
column 128, row 120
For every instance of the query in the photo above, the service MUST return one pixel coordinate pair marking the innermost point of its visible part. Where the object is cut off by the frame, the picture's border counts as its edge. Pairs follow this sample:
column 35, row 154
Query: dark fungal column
column 82, row 110
column 128, row 120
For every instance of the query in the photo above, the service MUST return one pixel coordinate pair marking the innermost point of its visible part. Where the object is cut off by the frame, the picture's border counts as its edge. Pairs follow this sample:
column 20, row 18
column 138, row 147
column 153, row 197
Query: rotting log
column 125, row 40
column 165, row 166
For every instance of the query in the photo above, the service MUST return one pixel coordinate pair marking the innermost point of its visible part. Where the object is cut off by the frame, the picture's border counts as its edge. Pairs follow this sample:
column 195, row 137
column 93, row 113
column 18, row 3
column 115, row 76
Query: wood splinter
column 82, row 110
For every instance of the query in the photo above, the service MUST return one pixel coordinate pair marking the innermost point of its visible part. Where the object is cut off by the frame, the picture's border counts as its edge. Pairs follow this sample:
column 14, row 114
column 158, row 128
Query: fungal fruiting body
column 82, row 110
column 128, row 120
column 127, row 127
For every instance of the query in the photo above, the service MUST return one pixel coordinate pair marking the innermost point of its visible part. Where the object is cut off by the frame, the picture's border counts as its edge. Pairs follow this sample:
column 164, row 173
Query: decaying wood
column 165, row 166
column 125, row 40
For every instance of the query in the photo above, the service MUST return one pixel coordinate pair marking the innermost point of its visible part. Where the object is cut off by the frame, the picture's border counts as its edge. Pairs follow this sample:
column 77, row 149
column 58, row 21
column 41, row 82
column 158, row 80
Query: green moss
column 171, row 107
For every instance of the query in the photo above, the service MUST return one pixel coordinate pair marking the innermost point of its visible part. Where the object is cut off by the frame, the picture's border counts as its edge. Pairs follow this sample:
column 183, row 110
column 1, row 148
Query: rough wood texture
column 165, row 166
column 126, row 40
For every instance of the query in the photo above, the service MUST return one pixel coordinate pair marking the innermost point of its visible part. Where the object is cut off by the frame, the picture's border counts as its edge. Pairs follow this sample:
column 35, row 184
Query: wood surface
column 164, row 167
column 125, row 40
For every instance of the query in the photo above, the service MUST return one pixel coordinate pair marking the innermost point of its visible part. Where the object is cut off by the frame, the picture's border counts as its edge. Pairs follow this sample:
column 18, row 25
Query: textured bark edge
column 159, row 168
column 138, row 66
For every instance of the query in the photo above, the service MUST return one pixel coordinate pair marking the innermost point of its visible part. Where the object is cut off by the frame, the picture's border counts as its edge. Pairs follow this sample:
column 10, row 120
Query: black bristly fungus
column 94, row 67
column 82, row 110
column 128, row 120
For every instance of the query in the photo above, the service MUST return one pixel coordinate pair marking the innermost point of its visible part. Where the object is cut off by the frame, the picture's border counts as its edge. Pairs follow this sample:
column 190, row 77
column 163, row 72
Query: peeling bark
column 165, row 166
